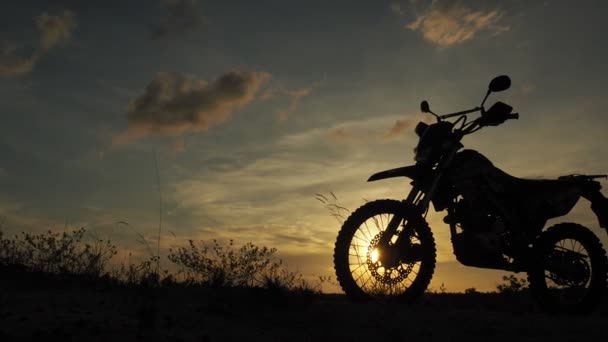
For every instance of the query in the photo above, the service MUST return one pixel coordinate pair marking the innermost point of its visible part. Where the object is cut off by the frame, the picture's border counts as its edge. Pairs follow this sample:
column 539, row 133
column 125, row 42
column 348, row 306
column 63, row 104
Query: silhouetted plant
column 200, row 264
column 281, row 279
column 327, row 280
column 471, row 290
column 332, row 204
column 142, row 273
column 441, row 290
column 512, row 284
column 216, row 265
column 57, row 252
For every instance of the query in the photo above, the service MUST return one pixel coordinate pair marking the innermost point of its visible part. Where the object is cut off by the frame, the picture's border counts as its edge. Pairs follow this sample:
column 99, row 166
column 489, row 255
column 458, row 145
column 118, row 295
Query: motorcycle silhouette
column 385, row 249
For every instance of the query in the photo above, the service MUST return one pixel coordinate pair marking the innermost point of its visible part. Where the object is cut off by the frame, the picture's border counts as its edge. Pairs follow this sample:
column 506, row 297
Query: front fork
column 392, row 236
column 395, row 242
column 420, row 197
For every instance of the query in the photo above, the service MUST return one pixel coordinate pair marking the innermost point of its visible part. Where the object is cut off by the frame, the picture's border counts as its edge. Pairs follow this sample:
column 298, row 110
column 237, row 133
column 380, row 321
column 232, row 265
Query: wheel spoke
column 364, row 269
column 565, row 280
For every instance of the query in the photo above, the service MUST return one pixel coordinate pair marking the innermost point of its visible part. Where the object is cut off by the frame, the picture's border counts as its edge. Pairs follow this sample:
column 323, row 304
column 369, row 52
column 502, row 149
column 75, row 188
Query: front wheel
column 400, row 270
column 568, row 274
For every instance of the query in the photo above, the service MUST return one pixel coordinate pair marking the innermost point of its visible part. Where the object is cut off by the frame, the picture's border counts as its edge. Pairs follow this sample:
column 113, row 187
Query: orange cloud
column 396, row 8
column 528, row 89
column 178, row 145
column 173, row 103
column 268, row 95
column 447, row 23
column 338, row 135
column 54, row 30
column 295, row 96
column 11, row 64
column 399, row 128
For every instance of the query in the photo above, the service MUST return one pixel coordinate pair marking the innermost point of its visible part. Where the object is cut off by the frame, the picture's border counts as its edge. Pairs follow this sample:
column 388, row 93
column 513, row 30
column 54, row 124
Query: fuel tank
column 474, row 177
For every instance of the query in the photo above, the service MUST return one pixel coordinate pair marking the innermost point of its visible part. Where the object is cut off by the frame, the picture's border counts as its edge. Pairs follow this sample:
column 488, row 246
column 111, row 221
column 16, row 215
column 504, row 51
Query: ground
column 115, row 313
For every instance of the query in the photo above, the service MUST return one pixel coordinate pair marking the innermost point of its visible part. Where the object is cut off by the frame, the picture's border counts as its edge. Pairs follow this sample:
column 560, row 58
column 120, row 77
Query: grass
column 67, row 255
column 57, row 287
column 225, row 277
column 332, row 204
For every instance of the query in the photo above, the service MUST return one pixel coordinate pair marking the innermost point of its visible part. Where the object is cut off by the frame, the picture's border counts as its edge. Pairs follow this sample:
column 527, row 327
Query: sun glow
column 375, row 255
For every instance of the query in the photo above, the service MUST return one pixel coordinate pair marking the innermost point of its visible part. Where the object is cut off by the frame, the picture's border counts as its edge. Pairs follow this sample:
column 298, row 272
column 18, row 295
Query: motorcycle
column 386, row 249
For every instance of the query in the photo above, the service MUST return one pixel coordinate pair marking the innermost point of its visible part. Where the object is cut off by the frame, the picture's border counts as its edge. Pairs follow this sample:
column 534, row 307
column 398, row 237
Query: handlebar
column 485, row 121
column 447, row 116
column 514, row 116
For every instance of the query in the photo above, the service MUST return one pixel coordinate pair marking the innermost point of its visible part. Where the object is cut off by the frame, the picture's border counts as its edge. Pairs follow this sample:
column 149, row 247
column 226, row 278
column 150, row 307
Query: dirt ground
column 195, row 314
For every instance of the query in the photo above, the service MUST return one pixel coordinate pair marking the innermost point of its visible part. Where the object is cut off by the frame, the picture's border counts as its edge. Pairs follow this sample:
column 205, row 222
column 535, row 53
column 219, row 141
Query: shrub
column 281, row 279
column 144, row 273
column 204, row 264
column 57, row 252
column 216, row 265
column 471, row 291
column 512, row 285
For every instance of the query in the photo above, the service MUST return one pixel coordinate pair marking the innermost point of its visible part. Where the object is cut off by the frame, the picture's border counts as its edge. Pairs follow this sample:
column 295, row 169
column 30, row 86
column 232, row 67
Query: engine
column 477, row 235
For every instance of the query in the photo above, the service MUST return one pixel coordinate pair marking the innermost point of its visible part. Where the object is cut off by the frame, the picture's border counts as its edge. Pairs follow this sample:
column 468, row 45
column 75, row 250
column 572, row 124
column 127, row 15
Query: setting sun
column 374, row 256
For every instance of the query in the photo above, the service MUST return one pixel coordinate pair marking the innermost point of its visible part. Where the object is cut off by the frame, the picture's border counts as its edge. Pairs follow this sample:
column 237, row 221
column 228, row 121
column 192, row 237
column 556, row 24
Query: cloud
column 363, row 132
column 174, row 103
column 399, row 128
column 276, row 190
column 447, row 23
column 12, row 64
column 295, row 96
column 268, row 94
column 528, row 89
column 339, row 134
column 396, row 8
column 54, row 30
column 182, row 16
column 178, row 145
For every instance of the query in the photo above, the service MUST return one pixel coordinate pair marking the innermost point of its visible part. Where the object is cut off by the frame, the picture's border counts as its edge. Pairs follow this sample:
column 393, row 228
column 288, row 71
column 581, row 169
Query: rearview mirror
column 499, row 83
column 424, row 107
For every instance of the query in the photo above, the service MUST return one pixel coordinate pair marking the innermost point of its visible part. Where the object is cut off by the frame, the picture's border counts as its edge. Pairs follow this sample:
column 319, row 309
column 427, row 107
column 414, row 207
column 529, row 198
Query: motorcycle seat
column 474, row 164
column 535, row 187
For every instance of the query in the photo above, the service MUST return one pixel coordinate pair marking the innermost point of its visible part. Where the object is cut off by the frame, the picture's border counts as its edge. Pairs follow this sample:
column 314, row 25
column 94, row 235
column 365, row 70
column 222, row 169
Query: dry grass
column 67, row 255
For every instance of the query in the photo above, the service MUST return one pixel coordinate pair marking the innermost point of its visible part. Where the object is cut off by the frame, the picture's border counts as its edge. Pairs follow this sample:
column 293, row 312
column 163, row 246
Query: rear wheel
column 569, row 273
column 364, row 269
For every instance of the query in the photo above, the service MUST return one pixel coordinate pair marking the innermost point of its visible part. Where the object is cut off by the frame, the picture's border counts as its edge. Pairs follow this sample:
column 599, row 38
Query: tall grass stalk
column 160, row 213
column 332, row 204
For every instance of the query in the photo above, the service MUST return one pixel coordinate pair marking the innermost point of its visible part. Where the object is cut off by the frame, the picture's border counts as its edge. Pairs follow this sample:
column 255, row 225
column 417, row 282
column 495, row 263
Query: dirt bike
column 385, row 249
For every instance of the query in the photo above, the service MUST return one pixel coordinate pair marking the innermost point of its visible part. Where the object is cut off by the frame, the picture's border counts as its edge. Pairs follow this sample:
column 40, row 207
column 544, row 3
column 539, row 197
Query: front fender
column 412, row 171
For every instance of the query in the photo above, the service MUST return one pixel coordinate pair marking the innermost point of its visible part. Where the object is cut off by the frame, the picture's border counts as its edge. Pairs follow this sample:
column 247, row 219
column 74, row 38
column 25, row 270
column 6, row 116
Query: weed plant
column 199, row 264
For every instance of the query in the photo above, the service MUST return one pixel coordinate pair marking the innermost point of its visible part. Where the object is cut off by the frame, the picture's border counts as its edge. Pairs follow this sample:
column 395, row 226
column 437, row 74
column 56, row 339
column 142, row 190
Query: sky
column 226, row 118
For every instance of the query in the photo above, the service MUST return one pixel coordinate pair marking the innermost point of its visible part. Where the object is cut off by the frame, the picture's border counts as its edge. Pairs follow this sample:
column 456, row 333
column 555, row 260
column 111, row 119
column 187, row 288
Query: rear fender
column 599, row 204
column 412, row 171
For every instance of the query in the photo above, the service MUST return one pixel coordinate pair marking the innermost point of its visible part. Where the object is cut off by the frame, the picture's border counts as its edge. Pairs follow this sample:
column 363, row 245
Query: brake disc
column 393, row 275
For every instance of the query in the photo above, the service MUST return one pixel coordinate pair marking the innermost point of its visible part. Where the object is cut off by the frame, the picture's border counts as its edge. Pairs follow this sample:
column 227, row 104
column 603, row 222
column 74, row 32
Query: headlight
column 420, row 128
column 422, row 155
